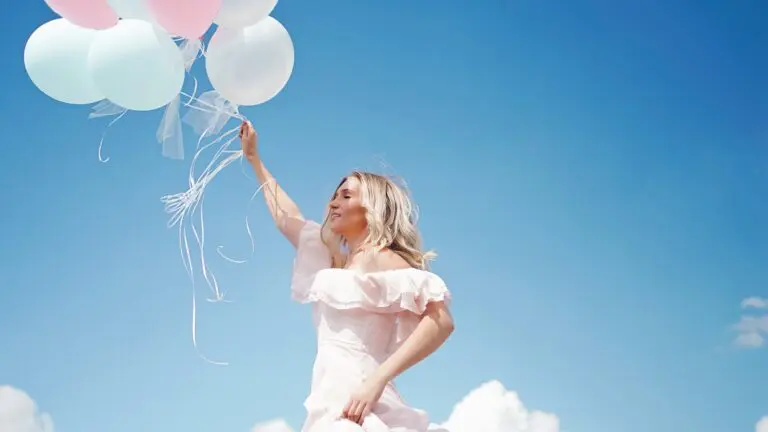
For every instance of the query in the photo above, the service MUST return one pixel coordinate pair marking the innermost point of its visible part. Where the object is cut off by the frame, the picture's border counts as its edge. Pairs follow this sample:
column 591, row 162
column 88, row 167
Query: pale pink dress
column 361, row 319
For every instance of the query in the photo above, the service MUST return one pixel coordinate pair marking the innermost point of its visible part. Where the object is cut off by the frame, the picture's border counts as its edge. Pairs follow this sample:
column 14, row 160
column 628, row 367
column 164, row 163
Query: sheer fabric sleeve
column 311, row 257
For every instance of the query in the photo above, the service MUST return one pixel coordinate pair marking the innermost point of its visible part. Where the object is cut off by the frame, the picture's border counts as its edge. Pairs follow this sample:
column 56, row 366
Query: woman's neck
column 354, row 244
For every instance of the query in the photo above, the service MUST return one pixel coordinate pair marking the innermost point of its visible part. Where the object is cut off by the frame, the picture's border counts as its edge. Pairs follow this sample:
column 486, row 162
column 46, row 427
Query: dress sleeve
column 311, row 256
column 414, row 294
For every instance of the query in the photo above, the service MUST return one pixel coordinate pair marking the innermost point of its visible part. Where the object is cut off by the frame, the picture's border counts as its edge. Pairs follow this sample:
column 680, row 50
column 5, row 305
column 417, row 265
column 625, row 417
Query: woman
column 377, row 310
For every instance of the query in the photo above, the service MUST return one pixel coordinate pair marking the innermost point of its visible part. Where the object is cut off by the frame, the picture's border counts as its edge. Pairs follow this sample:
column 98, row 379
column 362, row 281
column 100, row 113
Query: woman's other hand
column 362, row 401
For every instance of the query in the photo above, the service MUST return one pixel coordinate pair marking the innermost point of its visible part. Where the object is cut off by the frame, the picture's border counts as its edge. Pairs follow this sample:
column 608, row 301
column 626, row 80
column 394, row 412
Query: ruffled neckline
column 389, row 291
column 377, row 273
column 383, row 291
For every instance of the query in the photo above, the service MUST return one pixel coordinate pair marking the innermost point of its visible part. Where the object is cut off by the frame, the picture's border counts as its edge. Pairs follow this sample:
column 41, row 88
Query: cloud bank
column 19, row 413
column 488, row 408
column 762, row 425
column 752, row 330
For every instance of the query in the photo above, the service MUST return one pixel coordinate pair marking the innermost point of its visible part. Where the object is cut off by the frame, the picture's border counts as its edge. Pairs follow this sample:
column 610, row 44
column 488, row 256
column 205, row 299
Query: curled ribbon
column 208, row 115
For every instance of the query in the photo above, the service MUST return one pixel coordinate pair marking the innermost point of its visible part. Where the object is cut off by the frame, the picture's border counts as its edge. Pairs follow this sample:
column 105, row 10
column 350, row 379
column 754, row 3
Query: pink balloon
column 93, row 14
column 186, row 18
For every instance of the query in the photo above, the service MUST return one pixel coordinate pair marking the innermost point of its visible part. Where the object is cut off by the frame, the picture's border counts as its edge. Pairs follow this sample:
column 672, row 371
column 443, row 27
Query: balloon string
column 247, row 229
column 214, row 109
column 186, row 209
column 104, row 135
column 236, row 116
column 106, row 108
column 185, row 205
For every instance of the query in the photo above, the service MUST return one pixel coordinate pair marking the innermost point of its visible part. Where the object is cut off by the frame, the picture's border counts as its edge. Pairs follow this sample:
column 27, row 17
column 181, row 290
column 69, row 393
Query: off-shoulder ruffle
column 389, row 291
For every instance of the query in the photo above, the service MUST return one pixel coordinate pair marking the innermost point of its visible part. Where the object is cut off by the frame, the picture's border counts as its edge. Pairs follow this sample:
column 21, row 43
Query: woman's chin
column 336, row 227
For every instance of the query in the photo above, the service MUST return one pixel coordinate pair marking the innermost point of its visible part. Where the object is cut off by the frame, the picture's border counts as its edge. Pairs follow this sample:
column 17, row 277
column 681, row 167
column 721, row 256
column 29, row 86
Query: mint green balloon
column 136, row 65
column 56, row 60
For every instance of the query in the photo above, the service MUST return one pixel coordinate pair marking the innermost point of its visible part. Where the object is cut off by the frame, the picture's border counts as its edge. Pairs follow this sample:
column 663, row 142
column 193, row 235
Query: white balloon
column 131, row 9
column 56, row 59
column 136, row 65
column 251, row 65
column 236, row 14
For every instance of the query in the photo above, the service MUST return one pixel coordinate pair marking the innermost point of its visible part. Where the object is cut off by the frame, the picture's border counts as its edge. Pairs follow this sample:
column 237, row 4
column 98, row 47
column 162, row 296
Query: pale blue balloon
column 56, row 60
column 131, row 9
column 136, row 65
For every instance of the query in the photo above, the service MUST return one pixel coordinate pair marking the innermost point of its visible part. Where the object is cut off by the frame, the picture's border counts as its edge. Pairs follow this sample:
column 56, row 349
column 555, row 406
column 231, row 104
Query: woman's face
column 347, row 214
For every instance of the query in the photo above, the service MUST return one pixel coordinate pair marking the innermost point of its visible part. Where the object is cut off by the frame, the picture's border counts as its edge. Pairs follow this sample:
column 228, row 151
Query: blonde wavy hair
column 391, row 215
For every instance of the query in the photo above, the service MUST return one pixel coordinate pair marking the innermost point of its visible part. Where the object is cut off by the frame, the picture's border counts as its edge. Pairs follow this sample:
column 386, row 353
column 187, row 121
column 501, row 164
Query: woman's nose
column 334, row 205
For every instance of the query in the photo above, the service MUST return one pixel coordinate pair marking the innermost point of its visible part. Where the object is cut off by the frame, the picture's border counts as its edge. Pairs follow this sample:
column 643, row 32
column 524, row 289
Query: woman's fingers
column 357, row 415
column 246, row 129
column 353, row 411
column 366, row 411
column 356, row 410
column 345, row 413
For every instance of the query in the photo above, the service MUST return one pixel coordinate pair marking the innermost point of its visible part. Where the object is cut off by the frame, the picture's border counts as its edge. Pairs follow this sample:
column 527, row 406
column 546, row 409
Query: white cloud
column 752, row 330
column 493, row 408
column 278, row 426
column 762, row 425
column 488, row 408
column 18, row 413
column 750, row 340
column 754, row 302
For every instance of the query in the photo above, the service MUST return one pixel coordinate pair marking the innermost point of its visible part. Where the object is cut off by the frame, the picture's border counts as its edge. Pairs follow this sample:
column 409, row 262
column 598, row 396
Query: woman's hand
column 248, row 138
column 362, row 401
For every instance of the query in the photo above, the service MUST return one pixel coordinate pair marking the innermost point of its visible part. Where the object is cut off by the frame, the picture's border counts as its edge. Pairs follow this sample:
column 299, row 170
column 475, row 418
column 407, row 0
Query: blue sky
column 594, row 175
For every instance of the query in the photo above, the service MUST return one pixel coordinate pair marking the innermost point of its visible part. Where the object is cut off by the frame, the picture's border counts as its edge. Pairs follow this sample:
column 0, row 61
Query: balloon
column 132, row 9
column 251, row 65
column 186, row 18
column 136, row 65
column 93, row 14
column 237, row 14
column 56, row 59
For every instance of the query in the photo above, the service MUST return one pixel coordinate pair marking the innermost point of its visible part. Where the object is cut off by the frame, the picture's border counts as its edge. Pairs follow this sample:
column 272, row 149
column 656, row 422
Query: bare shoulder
column 388, row 260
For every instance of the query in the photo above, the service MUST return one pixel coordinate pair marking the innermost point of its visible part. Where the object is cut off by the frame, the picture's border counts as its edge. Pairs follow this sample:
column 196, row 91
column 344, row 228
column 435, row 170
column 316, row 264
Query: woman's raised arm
column 284, row 211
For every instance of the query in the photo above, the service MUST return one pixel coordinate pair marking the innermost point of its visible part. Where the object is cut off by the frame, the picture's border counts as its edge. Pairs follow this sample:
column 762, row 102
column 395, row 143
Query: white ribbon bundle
column 208, row 115
column 122, row 57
